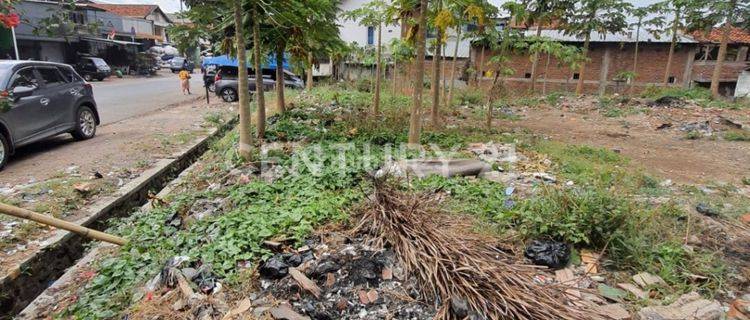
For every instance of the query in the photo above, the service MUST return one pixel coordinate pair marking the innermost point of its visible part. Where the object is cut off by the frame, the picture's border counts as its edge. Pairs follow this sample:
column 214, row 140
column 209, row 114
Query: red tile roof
column 127, row 10
column 736, row 35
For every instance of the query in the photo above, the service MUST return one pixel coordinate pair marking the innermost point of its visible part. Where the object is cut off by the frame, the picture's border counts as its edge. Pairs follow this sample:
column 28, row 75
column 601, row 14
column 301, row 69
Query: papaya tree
column 647, row 18
column 542, row 13
column 373, row 14
column 587, row 16
column 566, row 55
column 400, row 52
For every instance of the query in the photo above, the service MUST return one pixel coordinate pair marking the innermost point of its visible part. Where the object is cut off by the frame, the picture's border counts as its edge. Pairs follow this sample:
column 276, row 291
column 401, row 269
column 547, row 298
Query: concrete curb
column 41, row 306
column 23, row 283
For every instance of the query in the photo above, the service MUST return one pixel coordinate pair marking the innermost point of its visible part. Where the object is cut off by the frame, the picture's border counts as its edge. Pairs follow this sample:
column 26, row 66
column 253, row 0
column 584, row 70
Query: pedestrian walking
column 185, row 81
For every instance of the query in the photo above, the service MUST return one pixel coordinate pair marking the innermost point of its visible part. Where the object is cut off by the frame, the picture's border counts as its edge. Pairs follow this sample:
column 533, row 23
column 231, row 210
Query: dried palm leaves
column 453, row 262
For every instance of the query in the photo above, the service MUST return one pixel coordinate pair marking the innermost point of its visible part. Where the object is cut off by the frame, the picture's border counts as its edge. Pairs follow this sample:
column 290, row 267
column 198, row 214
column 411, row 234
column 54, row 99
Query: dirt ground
column 42, row 176
column 666, row 152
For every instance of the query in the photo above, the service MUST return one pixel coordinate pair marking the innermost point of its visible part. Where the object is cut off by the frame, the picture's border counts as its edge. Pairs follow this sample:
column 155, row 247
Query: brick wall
column 652, row 59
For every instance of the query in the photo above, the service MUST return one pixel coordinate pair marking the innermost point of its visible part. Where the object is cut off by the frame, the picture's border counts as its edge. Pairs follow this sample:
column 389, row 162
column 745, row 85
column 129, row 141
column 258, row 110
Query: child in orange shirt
column 185, row 81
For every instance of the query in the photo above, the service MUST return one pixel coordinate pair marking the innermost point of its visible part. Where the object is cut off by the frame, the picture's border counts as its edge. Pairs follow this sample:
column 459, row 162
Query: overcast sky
column 174, row 5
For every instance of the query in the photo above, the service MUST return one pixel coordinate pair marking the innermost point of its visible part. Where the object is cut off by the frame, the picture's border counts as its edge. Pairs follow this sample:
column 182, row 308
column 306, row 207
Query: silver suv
column 226, row 81
column 40, row 100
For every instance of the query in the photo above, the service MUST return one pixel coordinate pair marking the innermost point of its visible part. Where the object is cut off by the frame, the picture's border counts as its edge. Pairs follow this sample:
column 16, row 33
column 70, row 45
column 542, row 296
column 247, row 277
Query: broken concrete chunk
column 285, row 312
column 387, row 273
column 688, row 307
column 442, row 167
column 646, row 280
column 304, row 282
column 610, row 293
column 613, row 311
column 638, row 293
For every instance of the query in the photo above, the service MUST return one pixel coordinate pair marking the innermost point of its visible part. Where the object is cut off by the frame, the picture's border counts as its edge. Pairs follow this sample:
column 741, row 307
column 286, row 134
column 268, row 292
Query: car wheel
column 229, row 95
column 100, row 79
column 87, row 77
column 85, row 124
column 4, row 151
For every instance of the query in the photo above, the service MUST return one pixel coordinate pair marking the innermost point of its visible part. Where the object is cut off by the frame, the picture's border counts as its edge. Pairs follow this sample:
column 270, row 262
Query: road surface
column 133, row 115
column 120, row 99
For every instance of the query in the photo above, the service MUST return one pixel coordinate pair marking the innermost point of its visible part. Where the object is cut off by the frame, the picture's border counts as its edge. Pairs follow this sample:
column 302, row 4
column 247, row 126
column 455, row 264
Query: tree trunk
column 722, row 50
column 546, row 70
column 435, row 111
column 376, row 96
column 416, row 114
column 672, row 45
column 259, row 93
column 635, row 56
column 449, row 100
column 246, row 138
column 582, row 69
column 535, row 61
column 280, row 106
column 310, row 60
column 480, row 68
column 393, row 75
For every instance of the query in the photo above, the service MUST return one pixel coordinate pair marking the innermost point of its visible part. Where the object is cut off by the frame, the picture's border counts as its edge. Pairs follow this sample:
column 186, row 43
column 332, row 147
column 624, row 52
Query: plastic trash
column 548, row 253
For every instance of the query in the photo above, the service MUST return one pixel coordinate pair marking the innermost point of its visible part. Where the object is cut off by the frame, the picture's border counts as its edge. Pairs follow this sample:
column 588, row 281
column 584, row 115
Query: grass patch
column 737, row 136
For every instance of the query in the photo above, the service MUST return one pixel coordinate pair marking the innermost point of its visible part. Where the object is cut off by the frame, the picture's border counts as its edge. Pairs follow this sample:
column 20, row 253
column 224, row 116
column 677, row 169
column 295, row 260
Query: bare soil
column 666, row 152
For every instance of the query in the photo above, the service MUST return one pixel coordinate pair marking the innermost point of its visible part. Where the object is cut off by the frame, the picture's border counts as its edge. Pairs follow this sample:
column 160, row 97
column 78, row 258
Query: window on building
column 51, row 76
column 527, row 75
column 370, row 35
column 707, row 53
column 471, row 27
column 671, row 79
column 732, row 54
column 78, row 17
column 576, row 76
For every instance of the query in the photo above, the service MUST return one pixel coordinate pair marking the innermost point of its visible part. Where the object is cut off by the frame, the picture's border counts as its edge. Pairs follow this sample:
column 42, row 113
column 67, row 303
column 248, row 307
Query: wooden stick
column 58, row 223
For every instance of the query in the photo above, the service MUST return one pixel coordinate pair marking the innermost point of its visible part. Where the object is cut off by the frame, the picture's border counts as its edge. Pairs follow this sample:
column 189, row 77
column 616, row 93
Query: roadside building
column 610, row 55
column 133, row 15
column 367, row 36
column 736, row 63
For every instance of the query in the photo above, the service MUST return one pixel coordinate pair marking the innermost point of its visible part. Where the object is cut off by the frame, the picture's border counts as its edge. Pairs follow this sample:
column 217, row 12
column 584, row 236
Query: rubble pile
column 336, row 277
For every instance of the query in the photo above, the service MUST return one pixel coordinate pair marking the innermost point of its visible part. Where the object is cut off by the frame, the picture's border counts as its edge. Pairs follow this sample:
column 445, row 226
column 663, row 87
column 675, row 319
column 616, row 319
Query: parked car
column 179, row 63
column 226, row 84
column 93, row 68
column 40, row 100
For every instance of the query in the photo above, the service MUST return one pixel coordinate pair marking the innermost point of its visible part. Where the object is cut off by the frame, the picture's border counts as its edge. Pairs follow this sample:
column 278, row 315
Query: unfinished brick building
column 609, row 56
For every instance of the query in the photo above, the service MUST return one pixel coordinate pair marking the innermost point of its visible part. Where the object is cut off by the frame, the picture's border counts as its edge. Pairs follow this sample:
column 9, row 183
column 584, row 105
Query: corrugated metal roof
column 628, row 36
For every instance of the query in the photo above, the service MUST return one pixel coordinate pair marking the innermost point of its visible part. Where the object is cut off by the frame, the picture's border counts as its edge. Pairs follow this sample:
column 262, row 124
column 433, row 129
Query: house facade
column 733, row 80
column 143, row 22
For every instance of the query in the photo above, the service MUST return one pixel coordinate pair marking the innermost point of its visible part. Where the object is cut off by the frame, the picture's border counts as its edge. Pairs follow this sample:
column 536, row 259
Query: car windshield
column 5, row 72
column 99, row 62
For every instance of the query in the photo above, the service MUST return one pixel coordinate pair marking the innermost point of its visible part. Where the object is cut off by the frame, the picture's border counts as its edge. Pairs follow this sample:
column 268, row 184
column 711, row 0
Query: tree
column 420, row 31
column 587, row 16
column 216, row 13
column 373, row 14
column 565, row 55
column 442, row 20
column 259, row 88
column 315, row 33
column 510, row 42
column 541, row 13
column 651, row 24
column 708, row 14
column 401, row 51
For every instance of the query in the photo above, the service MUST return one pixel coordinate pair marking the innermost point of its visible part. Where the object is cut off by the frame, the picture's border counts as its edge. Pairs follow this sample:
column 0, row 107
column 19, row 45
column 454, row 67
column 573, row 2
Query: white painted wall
column 743, row 85
column 351, row 31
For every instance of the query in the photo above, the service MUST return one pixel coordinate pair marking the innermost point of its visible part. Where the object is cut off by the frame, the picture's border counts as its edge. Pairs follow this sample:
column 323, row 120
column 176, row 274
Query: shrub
column 469, row 96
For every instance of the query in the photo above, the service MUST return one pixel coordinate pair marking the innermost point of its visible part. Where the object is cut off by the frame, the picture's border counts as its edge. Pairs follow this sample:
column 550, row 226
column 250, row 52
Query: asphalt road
column 120, row 99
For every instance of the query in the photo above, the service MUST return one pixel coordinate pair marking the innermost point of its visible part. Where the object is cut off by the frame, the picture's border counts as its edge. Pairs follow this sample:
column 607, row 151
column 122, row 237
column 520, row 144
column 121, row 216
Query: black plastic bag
column 548, row 253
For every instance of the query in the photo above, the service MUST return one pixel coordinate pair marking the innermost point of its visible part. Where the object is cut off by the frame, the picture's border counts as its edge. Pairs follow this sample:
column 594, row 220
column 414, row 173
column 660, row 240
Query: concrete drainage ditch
column 20, row 285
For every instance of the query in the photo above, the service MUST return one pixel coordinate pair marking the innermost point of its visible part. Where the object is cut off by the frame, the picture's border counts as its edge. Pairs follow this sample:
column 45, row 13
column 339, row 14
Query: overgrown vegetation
column 601, row 202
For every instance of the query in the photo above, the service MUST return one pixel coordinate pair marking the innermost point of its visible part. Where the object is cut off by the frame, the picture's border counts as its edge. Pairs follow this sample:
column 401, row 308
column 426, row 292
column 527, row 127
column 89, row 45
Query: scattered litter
column 548, row 253
column 646, row 280
column 611, row 293
column 706, row 209
column 274, row 268
column 688, row 307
